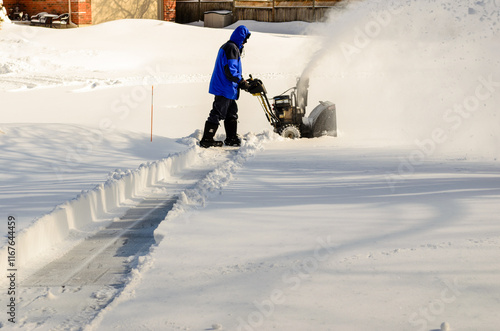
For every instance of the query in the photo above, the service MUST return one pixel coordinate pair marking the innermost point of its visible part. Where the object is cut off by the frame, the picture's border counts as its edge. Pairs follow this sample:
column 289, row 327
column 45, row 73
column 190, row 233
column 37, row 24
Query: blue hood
column 239, row 35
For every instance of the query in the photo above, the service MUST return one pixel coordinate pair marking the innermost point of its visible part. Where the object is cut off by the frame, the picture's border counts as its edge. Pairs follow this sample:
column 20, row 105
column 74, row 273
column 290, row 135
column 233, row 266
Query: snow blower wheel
column 290, row 131
column 287, row 114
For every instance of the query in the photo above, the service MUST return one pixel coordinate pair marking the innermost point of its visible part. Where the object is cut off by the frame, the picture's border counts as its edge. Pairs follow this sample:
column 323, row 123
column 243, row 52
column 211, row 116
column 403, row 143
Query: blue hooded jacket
column 227, row 71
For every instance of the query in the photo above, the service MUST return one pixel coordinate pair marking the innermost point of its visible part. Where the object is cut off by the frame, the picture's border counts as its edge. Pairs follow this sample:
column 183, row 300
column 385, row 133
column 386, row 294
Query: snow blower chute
column 287, row 115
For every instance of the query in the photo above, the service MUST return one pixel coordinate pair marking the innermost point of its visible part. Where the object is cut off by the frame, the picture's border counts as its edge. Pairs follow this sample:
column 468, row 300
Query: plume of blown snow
column 424, row 73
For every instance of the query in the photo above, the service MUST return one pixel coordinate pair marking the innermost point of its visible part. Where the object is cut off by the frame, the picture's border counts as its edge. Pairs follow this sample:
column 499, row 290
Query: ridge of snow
column 93, row 208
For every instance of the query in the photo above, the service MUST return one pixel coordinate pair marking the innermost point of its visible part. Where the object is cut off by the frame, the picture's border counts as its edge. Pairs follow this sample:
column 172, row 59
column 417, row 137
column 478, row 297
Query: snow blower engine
column 287, row 115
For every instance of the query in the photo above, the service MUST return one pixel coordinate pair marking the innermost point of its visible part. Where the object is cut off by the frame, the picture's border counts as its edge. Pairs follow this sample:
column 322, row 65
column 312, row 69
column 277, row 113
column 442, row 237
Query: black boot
column 208, row 136
column 232, row 138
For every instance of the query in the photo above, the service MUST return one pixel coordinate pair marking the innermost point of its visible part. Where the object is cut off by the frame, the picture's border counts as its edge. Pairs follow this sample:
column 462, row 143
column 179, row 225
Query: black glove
column 243, row 84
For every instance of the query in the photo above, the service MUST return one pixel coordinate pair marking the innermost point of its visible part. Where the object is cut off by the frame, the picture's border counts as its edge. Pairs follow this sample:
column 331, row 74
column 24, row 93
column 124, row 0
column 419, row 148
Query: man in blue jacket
column 225, row 84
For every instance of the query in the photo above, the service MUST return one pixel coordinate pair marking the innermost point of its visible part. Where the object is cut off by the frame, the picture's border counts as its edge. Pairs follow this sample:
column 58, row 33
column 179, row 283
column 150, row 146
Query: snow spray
column 340, row 19
column 401, row 71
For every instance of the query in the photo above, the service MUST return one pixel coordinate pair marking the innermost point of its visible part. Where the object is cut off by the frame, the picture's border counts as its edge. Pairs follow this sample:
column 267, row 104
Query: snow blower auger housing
column 287, row 114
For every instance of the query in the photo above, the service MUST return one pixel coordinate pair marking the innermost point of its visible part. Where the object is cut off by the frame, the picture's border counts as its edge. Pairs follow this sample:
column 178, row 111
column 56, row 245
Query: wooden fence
column 258, row 10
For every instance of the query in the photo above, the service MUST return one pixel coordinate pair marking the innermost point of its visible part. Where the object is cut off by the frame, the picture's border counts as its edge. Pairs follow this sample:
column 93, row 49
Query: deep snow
column 392, row 225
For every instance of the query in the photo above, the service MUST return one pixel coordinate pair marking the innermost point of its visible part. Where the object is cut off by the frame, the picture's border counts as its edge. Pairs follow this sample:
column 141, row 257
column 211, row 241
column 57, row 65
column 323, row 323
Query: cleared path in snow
column 86, row 279
column 107, row 257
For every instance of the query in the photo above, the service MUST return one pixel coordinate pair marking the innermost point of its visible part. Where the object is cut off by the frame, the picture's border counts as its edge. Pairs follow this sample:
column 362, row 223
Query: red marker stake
column 152, row 90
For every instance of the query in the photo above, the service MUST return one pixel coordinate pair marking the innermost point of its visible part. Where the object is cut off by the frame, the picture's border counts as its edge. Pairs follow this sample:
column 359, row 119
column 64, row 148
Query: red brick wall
column 33, row 7
column 10, row 4
column 80, row 9
column 169, row 10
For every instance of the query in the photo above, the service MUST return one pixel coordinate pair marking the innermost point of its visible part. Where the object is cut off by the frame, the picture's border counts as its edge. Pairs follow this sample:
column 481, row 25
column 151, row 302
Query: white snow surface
column 393, row 225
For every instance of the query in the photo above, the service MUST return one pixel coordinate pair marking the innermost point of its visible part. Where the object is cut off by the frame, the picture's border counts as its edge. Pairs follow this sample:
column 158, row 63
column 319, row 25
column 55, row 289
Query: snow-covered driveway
column 312, row 236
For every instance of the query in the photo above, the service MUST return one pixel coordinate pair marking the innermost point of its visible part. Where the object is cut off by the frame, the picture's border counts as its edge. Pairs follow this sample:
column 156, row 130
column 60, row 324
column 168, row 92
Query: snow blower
column 287, row 115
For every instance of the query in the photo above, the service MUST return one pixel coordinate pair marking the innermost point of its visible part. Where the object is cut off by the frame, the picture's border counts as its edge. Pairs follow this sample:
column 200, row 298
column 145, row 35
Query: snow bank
column 45, row 165
column 91, row 207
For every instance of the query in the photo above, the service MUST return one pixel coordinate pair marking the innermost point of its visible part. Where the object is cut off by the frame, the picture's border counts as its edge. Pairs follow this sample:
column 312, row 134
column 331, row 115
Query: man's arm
column 231, row 69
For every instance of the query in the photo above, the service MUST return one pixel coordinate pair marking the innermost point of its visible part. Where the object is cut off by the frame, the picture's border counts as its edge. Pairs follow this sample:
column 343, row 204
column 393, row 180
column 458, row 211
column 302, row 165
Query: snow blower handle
column 256, row 86
column 257, row 89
